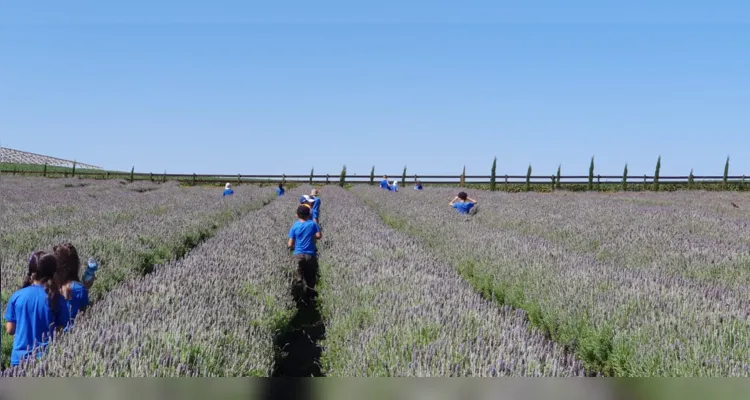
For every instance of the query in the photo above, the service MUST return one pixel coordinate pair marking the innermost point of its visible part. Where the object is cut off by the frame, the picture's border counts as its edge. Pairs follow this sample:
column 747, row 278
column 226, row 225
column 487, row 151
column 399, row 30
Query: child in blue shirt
column 280, row 190
column 302, row 238
column 315, row 209
column 418, row 186
column 462, row 203
column 228, row 190
column 34, row 310
column 384, row 183
column 76, row 294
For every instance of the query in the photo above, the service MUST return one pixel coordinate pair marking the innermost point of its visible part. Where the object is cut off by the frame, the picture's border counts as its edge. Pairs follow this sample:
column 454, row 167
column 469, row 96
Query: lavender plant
column 213, row 313
column 639, row 285
column 394, row 309
column 128, row 227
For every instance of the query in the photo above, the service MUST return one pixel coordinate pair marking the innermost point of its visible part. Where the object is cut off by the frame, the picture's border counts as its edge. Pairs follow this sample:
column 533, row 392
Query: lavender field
column 128, row 227
column 639, row 285
column 560, row 284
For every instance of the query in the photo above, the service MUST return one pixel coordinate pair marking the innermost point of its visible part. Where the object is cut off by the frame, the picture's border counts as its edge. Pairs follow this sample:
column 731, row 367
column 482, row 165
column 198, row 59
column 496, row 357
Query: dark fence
column 335, row 178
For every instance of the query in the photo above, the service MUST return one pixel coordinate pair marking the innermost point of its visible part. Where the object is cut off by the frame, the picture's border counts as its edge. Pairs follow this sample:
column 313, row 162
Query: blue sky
column 230, row 86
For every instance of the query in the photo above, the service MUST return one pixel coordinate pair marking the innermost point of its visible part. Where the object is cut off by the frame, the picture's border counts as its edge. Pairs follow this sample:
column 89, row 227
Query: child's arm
column 290, row 244
column 10, row 316
column 453, row 201
column 89, row 283
column 472, row 200
column 10, row 328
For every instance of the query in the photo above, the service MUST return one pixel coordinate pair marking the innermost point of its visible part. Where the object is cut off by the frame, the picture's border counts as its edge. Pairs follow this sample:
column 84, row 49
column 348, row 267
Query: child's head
column 303, row 212
column 281, row 185
column 228, row 186
column 42, row 267
column 463, row 196
column 68, row 263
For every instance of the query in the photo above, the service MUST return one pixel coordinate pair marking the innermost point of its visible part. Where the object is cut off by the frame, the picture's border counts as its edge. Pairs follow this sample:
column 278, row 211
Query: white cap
column 228, row 186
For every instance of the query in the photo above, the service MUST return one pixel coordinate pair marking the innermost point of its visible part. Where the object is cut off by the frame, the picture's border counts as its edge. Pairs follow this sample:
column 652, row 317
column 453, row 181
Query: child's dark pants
column 307, row 268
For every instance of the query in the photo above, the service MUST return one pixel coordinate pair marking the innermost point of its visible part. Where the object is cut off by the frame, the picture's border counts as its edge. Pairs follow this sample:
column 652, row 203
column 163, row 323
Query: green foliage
column 492, row 175
column 74, row 168
column 403, row 177
column 312, row 172
column 132, row 172
column 656, row 174
column 372, row 176
column 726, row 172
column 625, row 178
column 690, row 179
column 558, row 177
column 463, row 177
column 528, row 179
column 342, row 177
column 591, row 174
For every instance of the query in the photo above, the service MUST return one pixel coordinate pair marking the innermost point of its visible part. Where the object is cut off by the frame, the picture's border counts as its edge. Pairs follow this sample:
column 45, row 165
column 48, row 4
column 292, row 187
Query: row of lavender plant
column 622, row 316
column 128, row 227
column 211, row 314
column 700, row 235
column 392, row 308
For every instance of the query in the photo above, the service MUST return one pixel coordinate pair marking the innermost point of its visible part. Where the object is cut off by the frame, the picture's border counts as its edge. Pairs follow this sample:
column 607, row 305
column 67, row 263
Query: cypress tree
column 44, row 172
column 492, row 174
column 591, row 174
column 403, row 177
column 656, row 174
column 528, row 179
column 558, row 176
column 74, row 169
column 690, row 179
column 312, row 172
column 132, row 171
column 372, row 176
column 726, row 172
column 463, row 178
column 625, row 178
column 342, row 177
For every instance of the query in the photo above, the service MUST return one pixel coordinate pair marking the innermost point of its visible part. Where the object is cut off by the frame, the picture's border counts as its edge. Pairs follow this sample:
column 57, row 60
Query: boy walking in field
column 302, row 238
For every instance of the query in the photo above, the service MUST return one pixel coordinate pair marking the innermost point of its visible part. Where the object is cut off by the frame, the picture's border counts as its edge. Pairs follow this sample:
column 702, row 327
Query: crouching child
column 302, row 239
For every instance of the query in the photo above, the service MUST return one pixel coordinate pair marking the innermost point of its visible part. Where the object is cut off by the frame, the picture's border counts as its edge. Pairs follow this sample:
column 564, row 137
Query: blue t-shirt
column 418, row 187
column 228, row 192
column 463, row 207
column 79, row 299
column 29, row 310
column 384, row 184
column 303, row 234
column 280, row 191
column 316, row 207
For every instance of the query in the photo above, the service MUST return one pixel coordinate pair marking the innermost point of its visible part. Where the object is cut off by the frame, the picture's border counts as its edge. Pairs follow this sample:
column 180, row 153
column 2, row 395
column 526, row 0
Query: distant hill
column 10, row 156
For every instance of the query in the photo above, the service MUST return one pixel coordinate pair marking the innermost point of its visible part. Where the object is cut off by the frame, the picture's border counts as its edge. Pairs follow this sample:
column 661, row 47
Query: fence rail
column 334, row 178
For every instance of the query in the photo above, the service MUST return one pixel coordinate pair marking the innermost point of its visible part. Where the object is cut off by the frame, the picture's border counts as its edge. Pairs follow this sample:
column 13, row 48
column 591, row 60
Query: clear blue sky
column 229, row 86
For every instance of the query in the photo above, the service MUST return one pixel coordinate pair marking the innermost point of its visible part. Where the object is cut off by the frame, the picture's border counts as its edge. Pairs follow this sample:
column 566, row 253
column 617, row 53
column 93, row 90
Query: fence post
column 598, row 182
column 239, row 178
column 553, row 182
column 506, row 179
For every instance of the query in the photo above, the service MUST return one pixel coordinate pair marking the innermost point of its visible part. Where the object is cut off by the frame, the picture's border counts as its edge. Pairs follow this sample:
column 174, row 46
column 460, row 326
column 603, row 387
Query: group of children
column 51, row 297
column 393, row 187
